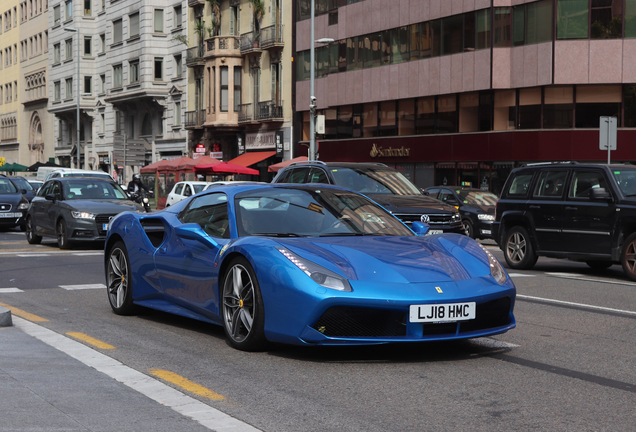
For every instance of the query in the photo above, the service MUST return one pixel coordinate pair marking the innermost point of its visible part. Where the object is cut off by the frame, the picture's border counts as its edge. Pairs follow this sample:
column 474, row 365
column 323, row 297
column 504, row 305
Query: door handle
column 571, row 208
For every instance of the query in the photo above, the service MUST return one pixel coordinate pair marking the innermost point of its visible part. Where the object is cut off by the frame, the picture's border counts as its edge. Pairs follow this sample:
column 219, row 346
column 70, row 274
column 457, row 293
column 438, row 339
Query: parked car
column 582, row 212
column 24, row 186
column 73, row 172
column 387, row 186
column 477, row 208
column 75, row 209
column 307, row 264
column 35, row 184
column 183, row 190
column 13, row 204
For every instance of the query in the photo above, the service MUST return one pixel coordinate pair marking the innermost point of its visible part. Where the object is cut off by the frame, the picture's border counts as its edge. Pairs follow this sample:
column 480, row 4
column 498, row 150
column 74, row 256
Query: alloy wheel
column 117, row 278
column 516, row 247
column 238, row 303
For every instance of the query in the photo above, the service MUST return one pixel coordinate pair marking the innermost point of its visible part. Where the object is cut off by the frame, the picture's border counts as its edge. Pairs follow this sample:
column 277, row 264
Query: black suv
column 385, row 185
column 13, row 205
column 582, row 212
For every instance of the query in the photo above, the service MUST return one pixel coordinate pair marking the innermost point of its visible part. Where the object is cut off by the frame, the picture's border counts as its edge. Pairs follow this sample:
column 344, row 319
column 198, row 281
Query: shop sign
column 240, row 142
column 216, row 155
column 200, row 148
column 260, row 140
column 279, row 144
column 379, row 151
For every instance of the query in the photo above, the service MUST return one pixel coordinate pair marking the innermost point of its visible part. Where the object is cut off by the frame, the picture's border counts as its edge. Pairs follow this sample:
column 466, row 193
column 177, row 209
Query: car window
column 86, row 189
column 550, row 184
column 478, row 198
column 374, row 180
column 284, row 176
column 433, row 192
column 447, row 197
column 298, row 175
column 198, row 188
column 187, row 190
column 583, row 182
column 317, row 175
column 44, row 190
column 626, row 180
column 6, row 187
column 178, row 188
column 22, row 184
column 56, row 190
column 210, row 212
column 520, row 185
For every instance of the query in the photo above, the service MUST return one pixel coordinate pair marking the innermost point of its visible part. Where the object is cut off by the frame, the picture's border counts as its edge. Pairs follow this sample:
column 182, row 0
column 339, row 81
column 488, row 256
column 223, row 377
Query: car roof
column 70, row 179
column 353, row 165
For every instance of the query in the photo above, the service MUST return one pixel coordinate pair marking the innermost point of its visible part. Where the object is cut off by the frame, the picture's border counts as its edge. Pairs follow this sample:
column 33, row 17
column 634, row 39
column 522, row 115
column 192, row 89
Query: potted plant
column 258, row 10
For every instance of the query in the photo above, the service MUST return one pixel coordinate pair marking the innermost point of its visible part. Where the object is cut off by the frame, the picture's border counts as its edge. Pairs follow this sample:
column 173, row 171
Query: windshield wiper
column 344, row 234
column 278, row 234
column 630, row 195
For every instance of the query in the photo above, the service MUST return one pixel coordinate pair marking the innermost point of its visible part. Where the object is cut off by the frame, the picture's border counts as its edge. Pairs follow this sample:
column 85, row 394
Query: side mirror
column 424, row 191
column 193, row 231
column 600, row 194
column 23, row 191
column 50, row 197
column 420, row 228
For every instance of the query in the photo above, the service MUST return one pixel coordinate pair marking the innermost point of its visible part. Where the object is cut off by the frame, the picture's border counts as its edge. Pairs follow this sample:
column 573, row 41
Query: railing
column 245, row 112
column 194, row 55
column 194, row 118
column 269, row 110
column 222, row 43
column 250, row 42
column 272, row 36
column 196, row 2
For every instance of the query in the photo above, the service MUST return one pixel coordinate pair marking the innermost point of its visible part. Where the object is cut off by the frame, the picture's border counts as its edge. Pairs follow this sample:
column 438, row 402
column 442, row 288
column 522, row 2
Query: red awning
column 247, row 159
column 283, row 164
column 224, row 168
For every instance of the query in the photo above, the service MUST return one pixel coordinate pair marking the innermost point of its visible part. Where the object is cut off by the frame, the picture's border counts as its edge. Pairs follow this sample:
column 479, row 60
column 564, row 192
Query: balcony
column 223, row 46
column 269, row 111
column 194, row 119
column 272, row 37
column 194, row 56
column 245, row 113
column 193, row 3
column 250, row 43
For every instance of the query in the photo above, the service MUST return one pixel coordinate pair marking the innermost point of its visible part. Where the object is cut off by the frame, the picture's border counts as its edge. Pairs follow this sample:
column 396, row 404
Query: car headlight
column 82, row 215
column 317, row 273
column 496, row 270
column 486, row 217
column 456, row 217
column 23, row 206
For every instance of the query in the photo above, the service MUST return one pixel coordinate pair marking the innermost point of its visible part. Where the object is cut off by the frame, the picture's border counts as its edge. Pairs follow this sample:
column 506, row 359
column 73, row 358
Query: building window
column 134, row 72
column 117, row 80
column 178, row 66
column 177, row 113
column 88, row 45
column 370, row 119
column 530, row 108
column 502, row 27
column 558, row 107
column 606, row 19
column 56, row 15
column 102, row 43
column 134, row 25
column 69, row 88
column 158, row 69
column 505, row 110
column 572, row 19
column 68, row 10
column 56, row 53
column 87, row 7
column 56, row 91
column 406, row 117
column 446, row 114
column 69, row 49
column 224, row 89
column 102, row 83
column 630, row 18
column 88, row 89
column 158, row 20
column 238, row 71
column 593, row 102
column 102, row 124
column 178, row 17
column 117, row 31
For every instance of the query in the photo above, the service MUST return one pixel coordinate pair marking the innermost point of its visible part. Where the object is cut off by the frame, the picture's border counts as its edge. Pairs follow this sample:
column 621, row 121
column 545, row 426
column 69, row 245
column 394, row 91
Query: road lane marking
column 10, row 290
column 82, row 287
column 514, row 275
column 88, row 253
column 90, row 340
column 580, row 305
column 577, row 276
column 186, row 384
column 23, row 314
column 33, row 255
column 204, row 414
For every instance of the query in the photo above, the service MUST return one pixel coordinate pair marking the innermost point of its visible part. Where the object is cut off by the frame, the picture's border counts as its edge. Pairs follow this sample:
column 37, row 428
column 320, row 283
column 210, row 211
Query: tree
column 258, row 10
column 216, row 21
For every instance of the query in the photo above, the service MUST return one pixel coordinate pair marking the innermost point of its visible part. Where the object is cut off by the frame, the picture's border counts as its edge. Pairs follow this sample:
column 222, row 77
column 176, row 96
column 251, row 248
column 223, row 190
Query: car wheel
column 62, row 235
column 468, row 228
column 31, row 236
column 518, row 250
column 599, row 265
column 119, row 281
column 628, row 257
column 23, row 227
column 242, row 309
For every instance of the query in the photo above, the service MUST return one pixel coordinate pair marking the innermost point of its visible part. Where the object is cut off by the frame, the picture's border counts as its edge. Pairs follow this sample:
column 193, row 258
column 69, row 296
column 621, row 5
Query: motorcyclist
column 135, row 185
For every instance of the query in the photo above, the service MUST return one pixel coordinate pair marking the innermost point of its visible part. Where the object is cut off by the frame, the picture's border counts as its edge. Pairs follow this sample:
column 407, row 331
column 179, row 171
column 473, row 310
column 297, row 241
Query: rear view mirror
column 420, row 228
column 193, row 231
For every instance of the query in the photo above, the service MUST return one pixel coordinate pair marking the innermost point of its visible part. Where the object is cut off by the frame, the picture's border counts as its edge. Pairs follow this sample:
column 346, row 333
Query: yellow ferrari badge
column 439, row 290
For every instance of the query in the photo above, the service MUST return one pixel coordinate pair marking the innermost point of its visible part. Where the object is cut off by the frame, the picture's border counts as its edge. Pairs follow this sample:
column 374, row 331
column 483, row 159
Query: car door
column 45, row 210
column 545, row 208
column 36, row 210
column 587, row 223
column 175, row 194
column 186, row 267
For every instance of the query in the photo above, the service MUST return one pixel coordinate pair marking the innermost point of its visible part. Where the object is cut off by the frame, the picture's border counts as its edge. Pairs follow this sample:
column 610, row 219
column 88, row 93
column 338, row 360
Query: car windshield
column 198, row 187
column 626, row 179
column 22, row 183
column 93, row 190
column 309, row 212
column 477, row 198
column 72, row 174
column 374, row 181
column 6, row 187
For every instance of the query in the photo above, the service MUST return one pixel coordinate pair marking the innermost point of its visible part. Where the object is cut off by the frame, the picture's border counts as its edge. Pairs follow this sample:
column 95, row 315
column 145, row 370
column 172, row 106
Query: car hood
column 411, row 203
column 480, row 208
column 103, row 206
column 409, row 259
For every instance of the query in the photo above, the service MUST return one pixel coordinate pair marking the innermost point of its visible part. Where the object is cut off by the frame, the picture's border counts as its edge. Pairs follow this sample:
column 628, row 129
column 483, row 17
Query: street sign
column 607, row 134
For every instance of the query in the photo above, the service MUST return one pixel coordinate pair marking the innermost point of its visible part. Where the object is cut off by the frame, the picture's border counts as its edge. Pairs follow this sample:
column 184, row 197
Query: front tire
column 518, row 249
column 31, row 235
column 62, row 235
column 119, row 280
column 468, row 228
column 628, row 257
column 242, row 310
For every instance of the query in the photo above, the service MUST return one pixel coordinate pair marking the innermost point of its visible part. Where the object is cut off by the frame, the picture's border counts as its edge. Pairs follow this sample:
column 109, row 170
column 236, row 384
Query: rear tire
column 518, row 249
column 119, row 280
column 628, row 257
column 31, row 235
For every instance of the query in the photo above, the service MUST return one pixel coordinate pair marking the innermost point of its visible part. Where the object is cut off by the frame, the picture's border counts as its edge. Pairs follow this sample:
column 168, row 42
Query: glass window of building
column 56, row 15
column 630, row 18
column 406, row 117
column 469, row 31
column 482, row 24
column 306, row 125
column 486, row 106
column 505, row 110
column 56, row 91
column 572, row 19
column 629, row 102
column 558, row 107
column 69, row 10
column 56, row 53
column 158, row 69
column 117, row 76
column 88, row 85
column 345, row 121
column 399, row 44
column 452, row 34
column 102, row 42
column 87, row 7
column 539, row 22
column 606, row 19
column 501, row 27
column 594, row 101
column 134, row 25
column 238, row 73
column 134, row 72
column 446, row 114
column 69, row 49
column 178, row 18
column 370, row 120
column 353, row 54
column 102, row 83
column 224, row 88
column 177, row 113
column 469, row 112
column 331, row 123
column 388, row 118
column 69, row 87
column 425, row 115
column 372, row 46
column 530, row 108
column 88, row 45
column 158, row 21
column 519, row 25
column 415, row 41
column 117, row 31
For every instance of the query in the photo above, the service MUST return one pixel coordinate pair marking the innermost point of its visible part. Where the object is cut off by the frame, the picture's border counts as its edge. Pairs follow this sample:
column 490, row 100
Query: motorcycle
column 142, row 197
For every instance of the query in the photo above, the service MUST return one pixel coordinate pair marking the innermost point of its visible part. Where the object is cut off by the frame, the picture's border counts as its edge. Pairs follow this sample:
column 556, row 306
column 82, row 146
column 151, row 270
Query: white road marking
column 82, row 287
column 514, row 275
column 10, row 290
column 207, row 416
column 33, row 255
column 88, row 253
column 492, row 343
column 581, row 277
column 583, row 305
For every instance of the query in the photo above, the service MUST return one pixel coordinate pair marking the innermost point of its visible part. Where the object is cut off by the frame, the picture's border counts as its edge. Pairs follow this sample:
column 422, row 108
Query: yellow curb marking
column 90, row 340
column 23, row 314
column 186, row 384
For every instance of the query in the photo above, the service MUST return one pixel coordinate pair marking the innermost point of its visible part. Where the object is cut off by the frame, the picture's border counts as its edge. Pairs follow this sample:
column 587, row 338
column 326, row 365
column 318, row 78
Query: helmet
column 136, row 177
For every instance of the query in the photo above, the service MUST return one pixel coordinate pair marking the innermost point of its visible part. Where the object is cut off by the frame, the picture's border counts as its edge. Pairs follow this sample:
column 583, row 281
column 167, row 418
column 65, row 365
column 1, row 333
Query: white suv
column 72, row 172
column 183, row 190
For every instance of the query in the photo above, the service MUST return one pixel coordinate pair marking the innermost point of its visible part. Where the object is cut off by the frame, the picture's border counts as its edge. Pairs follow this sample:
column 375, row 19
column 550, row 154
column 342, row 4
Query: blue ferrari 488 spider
column 307, row 265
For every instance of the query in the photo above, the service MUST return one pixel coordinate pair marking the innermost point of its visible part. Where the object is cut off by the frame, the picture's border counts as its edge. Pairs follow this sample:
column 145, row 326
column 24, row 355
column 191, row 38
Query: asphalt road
column 569, row 365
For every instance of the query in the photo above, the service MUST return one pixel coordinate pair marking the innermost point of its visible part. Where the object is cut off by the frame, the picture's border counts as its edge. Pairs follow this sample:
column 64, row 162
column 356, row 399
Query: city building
column 35, row 123
column 240, row 81
column 10, row 131
column 459, row 92
column 125, row 56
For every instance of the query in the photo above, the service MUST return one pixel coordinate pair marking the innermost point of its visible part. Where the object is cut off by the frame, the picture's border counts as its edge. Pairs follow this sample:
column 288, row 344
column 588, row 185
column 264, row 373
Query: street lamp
column 77, row 121
column 312, row 79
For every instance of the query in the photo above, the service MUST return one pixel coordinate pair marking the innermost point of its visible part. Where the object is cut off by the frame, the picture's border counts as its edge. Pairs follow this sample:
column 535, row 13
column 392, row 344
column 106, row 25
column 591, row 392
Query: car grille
column 495, row 313
column 435, row 219
column 5, row 207
column 100, row 220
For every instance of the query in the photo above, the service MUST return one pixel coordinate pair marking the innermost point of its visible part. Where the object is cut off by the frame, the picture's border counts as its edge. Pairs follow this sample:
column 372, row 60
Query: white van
column 72, row 172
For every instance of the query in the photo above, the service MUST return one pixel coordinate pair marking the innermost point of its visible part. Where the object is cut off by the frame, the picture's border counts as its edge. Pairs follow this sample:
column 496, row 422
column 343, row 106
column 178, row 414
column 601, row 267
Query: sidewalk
column 45, row 387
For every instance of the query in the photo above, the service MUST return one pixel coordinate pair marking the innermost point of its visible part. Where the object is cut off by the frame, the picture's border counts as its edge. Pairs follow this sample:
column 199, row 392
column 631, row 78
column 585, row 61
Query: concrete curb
column 5, row 317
